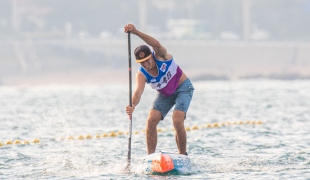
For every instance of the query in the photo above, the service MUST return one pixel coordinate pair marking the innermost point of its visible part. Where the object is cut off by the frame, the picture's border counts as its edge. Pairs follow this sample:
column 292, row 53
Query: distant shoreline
column 88, row 76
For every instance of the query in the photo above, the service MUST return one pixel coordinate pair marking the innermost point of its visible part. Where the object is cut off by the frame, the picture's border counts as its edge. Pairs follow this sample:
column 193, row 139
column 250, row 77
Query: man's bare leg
column 151, row 130
column 180, row 137
column 177, row 140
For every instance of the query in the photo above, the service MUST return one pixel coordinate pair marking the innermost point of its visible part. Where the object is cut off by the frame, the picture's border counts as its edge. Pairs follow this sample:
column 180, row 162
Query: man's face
column 147, row 64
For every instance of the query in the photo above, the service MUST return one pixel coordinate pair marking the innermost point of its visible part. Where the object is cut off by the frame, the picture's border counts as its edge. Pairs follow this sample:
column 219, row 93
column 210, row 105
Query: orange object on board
column 163, row 163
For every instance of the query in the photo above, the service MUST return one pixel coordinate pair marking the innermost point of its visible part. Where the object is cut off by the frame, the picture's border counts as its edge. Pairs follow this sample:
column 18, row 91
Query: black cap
column 142, row 53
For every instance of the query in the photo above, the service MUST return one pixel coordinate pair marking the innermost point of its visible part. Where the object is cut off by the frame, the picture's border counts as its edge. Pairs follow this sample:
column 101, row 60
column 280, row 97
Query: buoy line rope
column 118, row 133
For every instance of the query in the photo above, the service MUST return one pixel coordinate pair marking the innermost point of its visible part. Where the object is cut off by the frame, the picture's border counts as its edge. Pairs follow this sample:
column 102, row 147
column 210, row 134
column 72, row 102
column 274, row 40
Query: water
column 279, row 148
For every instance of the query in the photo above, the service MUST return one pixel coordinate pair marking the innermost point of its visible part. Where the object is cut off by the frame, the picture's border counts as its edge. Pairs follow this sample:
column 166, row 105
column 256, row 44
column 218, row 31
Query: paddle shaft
column 130, row 102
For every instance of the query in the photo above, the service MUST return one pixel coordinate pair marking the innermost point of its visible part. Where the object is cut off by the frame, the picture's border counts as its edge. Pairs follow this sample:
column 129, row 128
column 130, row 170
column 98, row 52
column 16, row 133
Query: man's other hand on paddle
column 130, row 28
column 129, row 109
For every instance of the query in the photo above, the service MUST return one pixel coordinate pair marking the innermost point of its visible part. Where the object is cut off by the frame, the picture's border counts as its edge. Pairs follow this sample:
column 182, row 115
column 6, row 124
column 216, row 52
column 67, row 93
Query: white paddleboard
column 164, row 162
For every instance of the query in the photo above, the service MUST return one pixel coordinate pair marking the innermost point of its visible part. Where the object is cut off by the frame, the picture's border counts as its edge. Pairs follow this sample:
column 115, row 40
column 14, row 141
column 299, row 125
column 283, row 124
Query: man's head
column 142, row 53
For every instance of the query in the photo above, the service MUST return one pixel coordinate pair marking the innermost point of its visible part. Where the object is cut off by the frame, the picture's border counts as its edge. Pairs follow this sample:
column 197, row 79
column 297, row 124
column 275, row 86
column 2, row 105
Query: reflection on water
column 277, row 148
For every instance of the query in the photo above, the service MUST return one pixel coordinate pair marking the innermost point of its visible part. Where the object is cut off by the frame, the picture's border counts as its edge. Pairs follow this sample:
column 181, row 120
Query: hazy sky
column 284, row 20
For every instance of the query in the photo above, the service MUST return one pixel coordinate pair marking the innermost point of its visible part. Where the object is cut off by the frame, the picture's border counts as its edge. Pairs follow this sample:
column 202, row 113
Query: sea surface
column 242, row 129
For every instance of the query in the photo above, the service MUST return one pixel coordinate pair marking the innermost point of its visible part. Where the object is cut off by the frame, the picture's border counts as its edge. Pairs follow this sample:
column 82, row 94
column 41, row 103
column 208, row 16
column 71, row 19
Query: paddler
column 159, row 69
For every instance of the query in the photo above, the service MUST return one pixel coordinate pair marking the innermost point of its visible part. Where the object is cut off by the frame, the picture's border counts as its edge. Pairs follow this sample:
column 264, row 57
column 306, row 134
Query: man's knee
column 178, row 118
column 153, row 118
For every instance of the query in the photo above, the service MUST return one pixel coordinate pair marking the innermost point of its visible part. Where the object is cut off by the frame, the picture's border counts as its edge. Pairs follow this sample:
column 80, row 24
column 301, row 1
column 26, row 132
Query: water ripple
column 276, row 149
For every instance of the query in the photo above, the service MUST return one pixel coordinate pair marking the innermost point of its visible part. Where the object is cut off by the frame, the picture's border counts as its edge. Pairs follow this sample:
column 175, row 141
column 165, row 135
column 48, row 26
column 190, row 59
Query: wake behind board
column 164, row 162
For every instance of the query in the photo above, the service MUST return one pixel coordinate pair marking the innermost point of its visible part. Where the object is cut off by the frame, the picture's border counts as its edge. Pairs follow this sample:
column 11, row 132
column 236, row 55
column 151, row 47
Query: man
column 159, row 70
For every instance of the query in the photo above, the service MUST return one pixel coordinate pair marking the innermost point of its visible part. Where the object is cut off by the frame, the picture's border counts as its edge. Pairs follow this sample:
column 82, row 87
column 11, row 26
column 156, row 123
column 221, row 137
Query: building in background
column 230, row 39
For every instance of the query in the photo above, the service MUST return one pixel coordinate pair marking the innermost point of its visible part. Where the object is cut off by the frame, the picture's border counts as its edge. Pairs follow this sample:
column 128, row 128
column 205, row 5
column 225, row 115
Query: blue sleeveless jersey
column 167, row 80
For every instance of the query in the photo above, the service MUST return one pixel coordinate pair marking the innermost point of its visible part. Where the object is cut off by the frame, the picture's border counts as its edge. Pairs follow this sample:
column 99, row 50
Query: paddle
column 130, row 103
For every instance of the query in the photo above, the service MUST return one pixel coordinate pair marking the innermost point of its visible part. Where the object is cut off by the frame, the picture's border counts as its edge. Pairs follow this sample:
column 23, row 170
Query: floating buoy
column 159, row 130
column 8, row 142
column 81, row 137
column 120, row 133
column 1, row 144
column 105, row 135
column 36, row 141
column 88, row 136
column 113, row 134
column 70, row 138
column 215, row 125
column 26, row 142
column 195, row 128
column 97, row 136
column 17, row 141
column 187, row 128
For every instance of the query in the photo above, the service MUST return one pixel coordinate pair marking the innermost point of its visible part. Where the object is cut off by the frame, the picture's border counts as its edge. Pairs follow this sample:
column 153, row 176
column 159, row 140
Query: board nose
column 163, row 163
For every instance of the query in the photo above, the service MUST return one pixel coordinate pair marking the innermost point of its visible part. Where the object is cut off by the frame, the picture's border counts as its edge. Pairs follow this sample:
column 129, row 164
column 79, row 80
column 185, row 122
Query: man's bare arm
column 140, row 85
column 160, row 51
